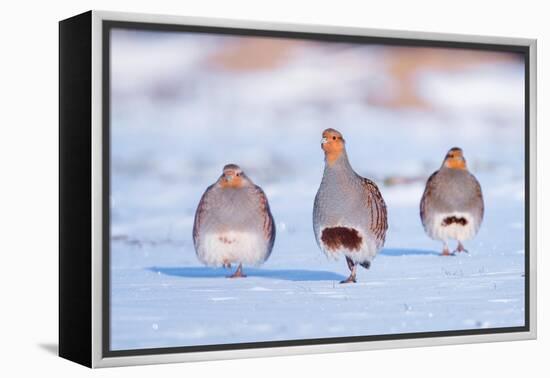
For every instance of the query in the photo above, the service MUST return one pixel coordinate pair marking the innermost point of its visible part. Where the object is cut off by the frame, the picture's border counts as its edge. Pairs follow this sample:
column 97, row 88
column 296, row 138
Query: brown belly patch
column 341, row 237
column 454, row 220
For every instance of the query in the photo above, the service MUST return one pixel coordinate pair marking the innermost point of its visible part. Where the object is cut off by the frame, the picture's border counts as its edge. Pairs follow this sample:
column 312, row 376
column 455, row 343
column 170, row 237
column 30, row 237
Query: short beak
column 228, row 178
column 324, row 140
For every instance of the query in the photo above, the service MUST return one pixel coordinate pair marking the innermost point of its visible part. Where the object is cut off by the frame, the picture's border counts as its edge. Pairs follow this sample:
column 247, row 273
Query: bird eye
column 238, row 174
column 333, row 137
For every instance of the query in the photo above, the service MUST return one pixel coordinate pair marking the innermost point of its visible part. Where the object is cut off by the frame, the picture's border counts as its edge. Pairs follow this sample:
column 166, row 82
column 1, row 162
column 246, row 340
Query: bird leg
column 446, row 251
column 350, row 262
column 238, row 273
column 460, row 248
column 353, row 268
column 365, row 264
column 226, row 264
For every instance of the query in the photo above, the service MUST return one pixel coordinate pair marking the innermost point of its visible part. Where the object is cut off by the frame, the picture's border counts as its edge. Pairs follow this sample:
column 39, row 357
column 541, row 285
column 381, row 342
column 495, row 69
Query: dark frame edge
column 109, row 23
column 75, row 207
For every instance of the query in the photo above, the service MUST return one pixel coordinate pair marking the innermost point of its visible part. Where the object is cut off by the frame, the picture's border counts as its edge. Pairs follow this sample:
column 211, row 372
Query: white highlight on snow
column 219, row 299
column 506, row 300
column 260, row 288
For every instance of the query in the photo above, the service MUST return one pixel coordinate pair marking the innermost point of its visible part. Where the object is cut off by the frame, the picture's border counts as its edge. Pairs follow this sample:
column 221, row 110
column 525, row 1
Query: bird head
column 333, row 144
column 233, row 177
column 455, row 159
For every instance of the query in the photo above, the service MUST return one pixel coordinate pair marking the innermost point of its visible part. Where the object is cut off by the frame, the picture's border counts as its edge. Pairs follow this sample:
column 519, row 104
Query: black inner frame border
column 108, row 25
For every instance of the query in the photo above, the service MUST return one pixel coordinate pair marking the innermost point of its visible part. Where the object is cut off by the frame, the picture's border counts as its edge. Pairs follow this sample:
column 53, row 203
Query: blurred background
column 185, row 104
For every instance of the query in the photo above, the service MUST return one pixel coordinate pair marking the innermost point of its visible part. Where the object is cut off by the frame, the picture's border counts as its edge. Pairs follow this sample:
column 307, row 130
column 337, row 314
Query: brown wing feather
column 379, row 214
column 268, row 222
column 426, row 195
column 203, row 203
column 479, row 193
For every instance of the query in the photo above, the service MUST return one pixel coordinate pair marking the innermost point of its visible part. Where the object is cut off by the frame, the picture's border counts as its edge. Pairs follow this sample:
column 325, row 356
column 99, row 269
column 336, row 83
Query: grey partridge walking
column 233, row 223
column 452, row 205
column 349, row 213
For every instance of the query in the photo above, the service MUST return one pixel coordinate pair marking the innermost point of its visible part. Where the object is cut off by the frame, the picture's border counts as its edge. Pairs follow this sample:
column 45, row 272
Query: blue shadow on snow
column 407, row 252
column 279, row 274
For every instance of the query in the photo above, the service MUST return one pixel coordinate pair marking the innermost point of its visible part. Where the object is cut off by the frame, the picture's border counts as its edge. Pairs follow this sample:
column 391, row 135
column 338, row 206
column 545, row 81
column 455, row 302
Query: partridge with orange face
column 349, row 213
column 452, row 205
column 233, row 223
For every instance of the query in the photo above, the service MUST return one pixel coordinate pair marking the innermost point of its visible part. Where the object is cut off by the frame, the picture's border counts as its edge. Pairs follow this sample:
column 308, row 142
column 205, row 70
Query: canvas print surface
column 311, row 163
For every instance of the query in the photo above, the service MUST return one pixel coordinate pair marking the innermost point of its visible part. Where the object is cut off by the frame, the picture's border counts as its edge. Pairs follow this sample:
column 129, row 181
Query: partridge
column 233, row 223
column 452, row 205
column 349, row 213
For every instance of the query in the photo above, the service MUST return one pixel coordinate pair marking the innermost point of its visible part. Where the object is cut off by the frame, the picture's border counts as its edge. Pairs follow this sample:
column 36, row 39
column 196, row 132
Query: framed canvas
column 234, row 189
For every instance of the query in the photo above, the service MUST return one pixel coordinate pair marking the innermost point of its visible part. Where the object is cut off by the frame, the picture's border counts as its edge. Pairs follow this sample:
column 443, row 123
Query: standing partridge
column 452, row 204
column 349, row 213
column 233, row 223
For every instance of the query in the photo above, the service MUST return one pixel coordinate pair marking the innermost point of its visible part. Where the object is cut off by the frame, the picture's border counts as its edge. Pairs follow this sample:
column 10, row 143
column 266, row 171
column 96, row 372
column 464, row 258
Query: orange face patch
column 333, row 144
column 455, row 164
column 455, row 159
column 231, row 181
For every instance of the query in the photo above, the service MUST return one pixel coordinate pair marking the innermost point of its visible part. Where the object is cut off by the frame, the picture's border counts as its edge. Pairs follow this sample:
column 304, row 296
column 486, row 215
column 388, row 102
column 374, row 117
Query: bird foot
column 446, row 252
column 238, row 273
column 458, row 251
column 350, row 279
column 460, row 248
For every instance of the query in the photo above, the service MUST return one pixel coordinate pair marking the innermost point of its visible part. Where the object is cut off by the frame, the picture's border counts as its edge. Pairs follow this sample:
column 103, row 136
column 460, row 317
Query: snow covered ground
column 177, row 120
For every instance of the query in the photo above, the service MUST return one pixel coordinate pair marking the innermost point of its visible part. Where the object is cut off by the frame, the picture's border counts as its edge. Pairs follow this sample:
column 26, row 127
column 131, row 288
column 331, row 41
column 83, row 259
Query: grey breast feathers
column 360, row 204
column 451, row 190
column 253, row 213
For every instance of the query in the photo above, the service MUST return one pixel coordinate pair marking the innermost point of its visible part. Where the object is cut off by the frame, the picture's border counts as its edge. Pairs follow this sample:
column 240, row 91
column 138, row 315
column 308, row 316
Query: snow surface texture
column 178, row 118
